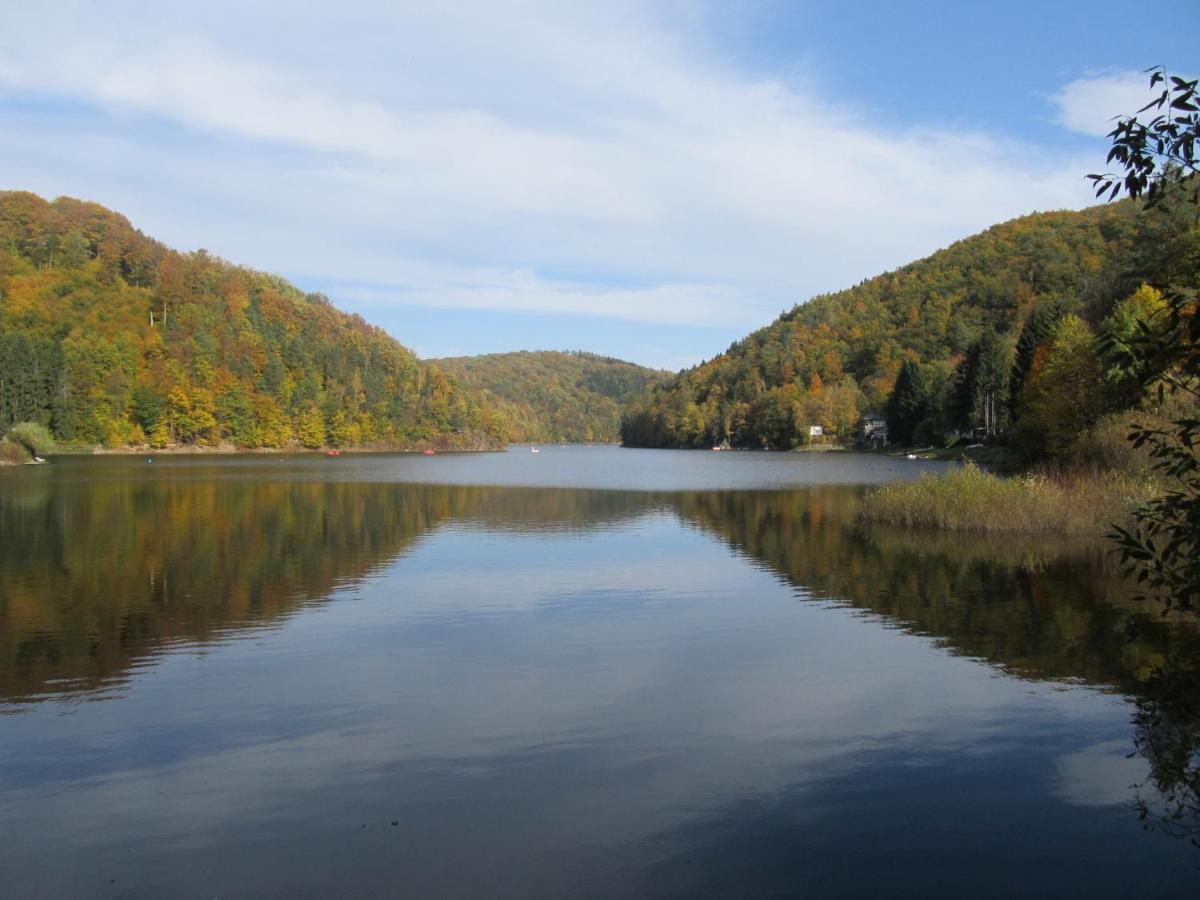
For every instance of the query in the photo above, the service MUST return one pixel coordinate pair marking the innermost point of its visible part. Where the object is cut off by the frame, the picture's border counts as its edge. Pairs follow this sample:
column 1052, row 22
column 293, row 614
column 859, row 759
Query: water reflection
column 1037, row 606
column 1167, row 737
column 96, row 575
column 548, row 680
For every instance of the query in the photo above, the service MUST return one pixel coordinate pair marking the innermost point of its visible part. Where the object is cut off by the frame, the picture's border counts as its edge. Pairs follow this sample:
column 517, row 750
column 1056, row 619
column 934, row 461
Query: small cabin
column 873, row 431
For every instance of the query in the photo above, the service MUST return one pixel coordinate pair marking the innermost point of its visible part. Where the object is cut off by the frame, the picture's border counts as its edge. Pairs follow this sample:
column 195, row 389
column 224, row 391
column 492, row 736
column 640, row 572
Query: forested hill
column 107, row 336
column 828, row 361
column 549, row 396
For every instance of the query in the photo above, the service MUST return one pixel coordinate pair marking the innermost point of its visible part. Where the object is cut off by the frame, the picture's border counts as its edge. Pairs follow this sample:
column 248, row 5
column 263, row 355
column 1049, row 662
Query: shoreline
column 289, row 450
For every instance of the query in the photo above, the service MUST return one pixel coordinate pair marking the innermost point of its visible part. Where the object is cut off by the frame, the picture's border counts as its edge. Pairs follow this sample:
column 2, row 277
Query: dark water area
column 583, row 672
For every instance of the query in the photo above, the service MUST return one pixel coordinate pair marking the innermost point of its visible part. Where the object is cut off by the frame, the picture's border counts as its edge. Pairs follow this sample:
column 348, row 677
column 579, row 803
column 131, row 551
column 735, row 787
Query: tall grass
column 970, row 499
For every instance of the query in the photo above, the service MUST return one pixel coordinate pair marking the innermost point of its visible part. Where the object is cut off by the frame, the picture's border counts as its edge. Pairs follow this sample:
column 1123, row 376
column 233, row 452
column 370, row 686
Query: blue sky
column 644, row 180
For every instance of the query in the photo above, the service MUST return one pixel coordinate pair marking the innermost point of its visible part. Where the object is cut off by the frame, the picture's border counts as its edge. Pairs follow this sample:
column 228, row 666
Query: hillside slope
column 550, row 396
column 829, row 360
column 107, row 336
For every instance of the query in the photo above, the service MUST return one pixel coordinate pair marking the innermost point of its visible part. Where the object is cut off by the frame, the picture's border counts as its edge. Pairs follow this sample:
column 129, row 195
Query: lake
column 582, row 672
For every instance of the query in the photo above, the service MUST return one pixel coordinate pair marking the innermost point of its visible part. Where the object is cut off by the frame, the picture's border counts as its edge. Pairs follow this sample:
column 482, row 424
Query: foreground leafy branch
column 1156, row 153
column 1162, row 548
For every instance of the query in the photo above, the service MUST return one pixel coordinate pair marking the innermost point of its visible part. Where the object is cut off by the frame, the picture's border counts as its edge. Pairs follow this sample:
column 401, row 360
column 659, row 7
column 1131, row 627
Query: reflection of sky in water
column 1100, row 775
column 629, row 710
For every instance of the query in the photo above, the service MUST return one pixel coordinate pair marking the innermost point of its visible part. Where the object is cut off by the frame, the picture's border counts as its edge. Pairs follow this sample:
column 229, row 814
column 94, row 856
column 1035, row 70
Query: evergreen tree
column 984, row 385
column 908, row 406
column 1039, row 324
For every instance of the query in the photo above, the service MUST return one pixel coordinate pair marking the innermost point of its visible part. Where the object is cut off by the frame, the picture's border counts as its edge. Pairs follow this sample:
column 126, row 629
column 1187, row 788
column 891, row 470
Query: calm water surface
column 583, row 672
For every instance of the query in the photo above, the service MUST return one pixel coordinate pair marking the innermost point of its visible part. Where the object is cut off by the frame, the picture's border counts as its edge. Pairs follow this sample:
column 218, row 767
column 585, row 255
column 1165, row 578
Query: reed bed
column 970, row 499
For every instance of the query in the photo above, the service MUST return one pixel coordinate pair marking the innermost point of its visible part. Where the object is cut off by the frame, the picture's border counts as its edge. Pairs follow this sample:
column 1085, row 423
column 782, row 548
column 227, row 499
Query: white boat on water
column 534, row 450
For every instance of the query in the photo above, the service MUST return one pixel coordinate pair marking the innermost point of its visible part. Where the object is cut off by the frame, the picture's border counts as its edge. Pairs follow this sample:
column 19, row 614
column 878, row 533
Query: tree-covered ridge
column 107, row 336
column 829, row 360
column 550, row 396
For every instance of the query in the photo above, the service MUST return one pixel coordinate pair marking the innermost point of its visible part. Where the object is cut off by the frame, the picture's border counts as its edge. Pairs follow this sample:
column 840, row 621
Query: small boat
column 427, row 451
column 333, row 452
column 534, row 450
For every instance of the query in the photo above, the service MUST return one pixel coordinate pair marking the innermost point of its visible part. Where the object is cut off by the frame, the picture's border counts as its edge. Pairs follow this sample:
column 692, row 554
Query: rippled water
column 583, row 672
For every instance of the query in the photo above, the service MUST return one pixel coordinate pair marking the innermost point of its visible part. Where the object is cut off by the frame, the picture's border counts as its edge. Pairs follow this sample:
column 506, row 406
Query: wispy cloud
column 560, row 158
column 523, row 291
column 1090, row 105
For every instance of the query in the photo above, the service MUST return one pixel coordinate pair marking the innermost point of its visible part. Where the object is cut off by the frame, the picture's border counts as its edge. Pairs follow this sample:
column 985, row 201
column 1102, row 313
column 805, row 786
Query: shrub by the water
column 12, row 453
column 970, row 499
column 33, row 437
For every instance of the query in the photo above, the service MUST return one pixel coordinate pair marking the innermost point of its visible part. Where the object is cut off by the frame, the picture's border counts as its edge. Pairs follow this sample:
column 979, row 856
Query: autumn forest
column 107, row 337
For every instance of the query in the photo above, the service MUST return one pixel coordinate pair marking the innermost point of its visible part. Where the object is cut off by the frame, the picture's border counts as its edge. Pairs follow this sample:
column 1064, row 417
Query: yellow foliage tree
column 310, row 428
column 273, row 426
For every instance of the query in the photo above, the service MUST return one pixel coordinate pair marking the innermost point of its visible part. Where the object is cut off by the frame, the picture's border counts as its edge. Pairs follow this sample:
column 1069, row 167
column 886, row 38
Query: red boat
column 427, row 452
column 333, row 452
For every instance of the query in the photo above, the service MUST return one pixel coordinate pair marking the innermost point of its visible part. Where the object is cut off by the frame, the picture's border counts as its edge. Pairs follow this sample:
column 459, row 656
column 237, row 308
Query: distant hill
column 108, row 336
column 551, row 396
column 827, row 361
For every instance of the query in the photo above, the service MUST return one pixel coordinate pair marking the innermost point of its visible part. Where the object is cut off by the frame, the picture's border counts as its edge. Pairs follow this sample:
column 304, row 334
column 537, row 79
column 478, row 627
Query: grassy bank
column 970, row 499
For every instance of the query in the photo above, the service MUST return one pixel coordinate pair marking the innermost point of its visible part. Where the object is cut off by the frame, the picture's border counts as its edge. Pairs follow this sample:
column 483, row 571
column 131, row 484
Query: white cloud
column 1089, row 105
column 524, row 291
column 543, row 157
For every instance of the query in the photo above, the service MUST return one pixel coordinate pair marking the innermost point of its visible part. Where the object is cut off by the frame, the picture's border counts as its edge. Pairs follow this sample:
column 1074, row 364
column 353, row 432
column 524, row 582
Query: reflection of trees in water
column 95, row 576
column 1035, row 606
column 1167, row 722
